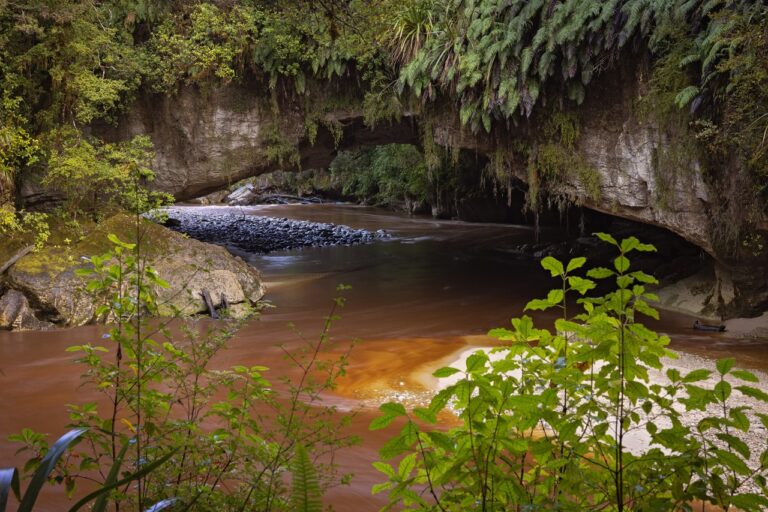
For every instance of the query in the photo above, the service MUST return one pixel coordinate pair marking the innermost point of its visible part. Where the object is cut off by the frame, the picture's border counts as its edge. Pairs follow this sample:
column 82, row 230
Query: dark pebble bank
column 255, row 234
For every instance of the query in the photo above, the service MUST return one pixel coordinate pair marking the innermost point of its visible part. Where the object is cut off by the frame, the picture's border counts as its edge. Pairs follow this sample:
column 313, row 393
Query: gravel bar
column 258, row 234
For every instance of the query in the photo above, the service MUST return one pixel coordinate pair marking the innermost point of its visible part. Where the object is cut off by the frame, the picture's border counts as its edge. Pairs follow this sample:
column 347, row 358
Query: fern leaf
column 305, row 492
column 685, row 96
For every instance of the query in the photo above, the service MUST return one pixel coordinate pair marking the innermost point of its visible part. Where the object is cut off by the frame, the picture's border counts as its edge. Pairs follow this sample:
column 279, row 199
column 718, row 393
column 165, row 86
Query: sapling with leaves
column 546, row 418
column 164, row 403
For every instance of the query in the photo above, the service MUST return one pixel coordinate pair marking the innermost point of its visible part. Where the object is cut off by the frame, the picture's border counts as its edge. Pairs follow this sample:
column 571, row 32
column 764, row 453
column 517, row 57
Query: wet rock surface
column 263, row 234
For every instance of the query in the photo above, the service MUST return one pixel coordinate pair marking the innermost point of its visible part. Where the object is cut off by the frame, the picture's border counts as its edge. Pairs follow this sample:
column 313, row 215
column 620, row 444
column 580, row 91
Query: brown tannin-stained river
column 431, row 291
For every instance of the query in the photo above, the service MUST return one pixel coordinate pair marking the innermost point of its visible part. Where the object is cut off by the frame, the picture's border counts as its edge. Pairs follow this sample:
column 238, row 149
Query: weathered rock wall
column 207, row 140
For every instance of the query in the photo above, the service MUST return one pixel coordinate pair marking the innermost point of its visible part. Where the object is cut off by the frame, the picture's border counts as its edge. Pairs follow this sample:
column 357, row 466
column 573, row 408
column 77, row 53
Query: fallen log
column 209, row 304
column 16, row 257
column 710, row 328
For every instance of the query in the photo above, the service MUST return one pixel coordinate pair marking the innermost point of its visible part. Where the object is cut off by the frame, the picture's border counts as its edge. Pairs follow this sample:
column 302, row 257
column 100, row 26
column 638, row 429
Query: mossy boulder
column 48, row 276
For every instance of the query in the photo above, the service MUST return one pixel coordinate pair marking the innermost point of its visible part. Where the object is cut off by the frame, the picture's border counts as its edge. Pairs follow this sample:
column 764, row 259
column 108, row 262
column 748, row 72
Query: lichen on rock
column 48, row 279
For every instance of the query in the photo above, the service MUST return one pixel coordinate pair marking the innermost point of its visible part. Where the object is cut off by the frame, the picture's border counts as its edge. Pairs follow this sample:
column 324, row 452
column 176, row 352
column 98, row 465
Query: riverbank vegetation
column 167, row 429
column 69, row 66
column 545, row 419
column 577, row 418
column 584, row 416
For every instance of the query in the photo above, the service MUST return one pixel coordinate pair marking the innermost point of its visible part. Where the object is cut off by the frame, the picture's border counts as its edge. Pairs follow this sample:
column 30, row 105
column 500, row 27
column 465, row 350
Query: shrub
column 545, row 419
column 164, row 403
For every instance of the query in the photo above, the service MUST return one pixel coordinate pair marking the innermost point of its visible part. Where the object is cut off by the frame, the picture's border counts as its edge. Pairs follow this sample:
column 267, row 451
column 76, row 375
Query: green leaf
column 407, row 465
column 646, row 248
column 629, row 244
column 755, row 393
column 643, row 307
column 624, row 281
column 476, row 361
column 502, row 334
column 554, row 266
column 116, row 241
column 392, row 409
column 722, row 390
column 381, row 422
column 581, row 285
column 575, row 263
column 385, row 468
column 732, row 461
column 599, row 273
column 735, row 443
column 749, row 501
column 697, row 375
column 621, row 264
column 605, row 237
column 400, row 443
column 441, row 440
column 425, row 415
column 642, row 277
column 685, row 96
column 445, row 371
column 724, row 365
column 538, row 305
column 745, row 375
column 380, row 487
column 555, row 297
column 517, row 446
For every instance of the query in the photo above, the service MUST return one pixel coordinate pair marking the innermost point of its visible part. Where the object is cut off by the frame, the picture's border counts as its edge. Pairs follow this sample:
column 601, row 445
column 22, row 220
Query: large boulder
column 15, row 313
column 49, row 280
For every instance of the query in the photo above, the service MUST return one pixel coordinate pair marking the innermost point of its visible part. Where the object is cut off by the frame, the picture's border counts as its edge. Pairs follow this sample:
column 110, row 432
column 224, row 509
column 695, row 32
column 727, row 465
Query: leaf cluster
column 555, row 419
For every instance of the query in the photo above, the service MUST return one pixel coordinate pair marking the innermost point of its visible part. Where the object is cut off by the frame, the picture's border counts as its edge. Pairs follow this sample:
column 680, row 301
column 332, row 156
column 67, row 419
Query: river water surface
column 433, row 290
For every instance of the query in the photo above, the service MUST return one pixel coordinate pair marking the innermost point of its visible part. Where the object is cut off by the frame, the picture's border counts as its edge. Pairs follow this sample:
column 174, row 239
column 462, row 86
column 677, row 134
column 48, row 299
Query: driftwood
column 16, row 257
column 710, row 328
column 209, row 304
column 224, row 301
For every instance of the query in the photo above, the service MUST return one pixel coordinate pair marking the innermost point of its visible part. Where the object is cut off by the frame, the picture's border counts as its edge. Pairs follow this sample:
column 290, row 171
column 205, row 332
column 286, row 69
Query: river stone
column 215, row 282
column 242, row 196
column 15, row 313
column 697, row 294
column 48, row 276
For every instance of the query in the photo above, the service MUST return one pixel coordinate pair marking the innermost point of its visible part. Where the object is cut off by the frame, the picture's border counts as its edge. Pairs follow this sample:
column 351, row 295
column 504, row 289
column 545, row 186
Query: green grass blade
column 9, row 482
column 148, row 468
column 47, row 465
column 101, row 502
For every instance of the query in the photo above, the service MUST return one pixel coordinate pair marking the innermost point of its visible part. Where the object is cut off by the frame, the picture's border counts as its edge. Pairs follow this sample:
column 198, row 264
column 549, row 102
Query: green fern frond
column 305, row 491
column 685, row 96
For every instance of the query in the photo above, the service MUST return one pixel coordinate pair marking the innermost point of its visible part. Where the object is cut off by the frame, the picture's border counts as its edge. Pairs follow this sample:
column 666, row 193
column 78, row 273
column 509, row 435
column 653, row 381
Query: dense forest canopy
column 65, row 64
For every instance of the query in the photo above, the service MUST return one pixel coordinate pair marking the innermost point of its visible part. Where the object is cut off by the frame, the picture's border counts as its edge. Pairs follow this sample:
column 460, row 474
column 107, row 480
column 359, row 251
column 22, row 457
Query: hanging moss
column 281, row 150
column 556, row 167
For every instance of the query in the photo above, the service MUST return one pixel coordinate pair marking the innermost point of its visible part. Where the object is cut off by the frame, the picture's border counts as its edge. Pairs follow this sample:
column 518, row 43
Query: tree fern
column 305, row 492
column 531, row 40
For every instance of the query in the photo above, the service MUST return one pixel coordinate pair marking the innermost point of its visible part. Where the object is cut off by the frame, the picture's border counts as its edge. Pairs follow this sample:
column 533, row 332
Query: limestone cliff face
column 620, row 146
column 207, row 140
